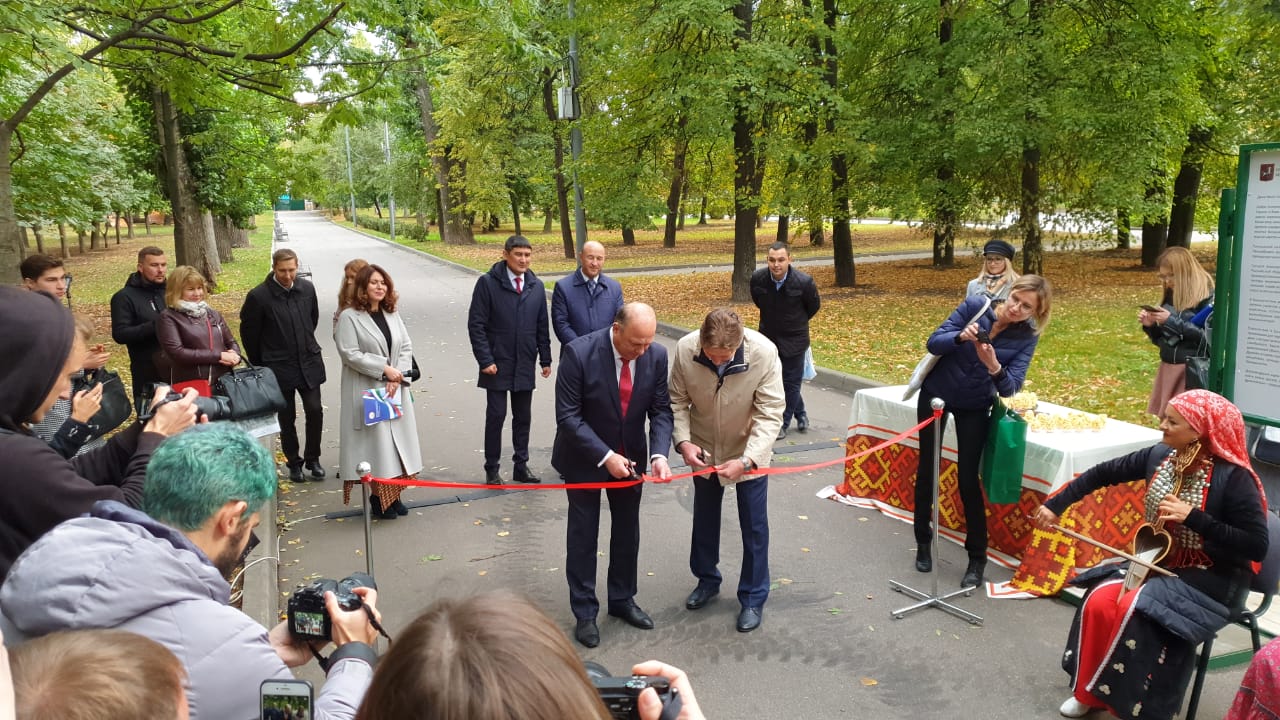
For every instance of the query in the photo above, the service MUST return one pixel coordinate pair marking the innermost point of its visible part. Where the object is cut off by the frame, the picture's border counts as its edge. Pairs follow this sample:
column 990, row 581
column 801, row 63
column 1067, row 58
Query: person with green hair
column 162, row 573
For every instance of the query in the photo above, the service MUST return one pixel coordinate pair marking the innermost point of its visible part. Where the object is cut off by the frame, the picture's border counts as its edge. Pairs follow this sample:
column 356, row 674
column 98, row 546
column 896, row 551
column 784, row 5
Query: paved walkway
column 828, row 647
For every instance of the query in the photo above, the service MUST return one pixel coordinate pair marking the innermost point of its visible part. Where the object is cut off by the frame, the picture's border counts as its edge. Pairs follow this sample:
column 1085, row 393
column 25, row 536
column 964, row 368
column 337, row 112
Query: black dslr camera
column 984, row 337
column 620, row 693
column 308, row 617
column 215, row 408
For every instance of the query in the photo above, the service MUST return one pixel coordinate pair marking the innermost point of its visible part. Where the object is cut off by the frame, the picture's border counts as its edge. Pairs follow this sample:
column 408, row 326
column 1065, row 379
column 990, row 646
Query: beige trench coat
column 391, row 447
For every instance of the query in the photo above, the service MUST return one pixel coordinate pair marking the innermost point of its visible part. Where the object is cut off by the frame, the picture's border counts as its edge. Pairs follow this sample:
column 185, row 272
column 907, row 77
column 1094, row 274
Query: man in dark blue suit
column 507, row 323
column 585, row 301
column 610, row 381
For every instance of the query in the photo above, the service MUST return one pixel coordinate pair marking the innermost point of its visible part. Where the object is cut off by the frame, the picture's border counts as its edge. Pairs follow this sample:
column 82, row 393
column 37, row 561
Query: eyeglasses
column 1012, row 304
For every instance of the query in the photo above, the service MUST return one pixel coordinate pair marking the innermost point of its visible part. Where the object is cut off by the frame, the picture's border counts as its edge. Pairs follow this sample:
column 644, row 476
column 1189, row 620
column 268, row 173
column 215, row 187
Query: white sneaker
column 1073, row 708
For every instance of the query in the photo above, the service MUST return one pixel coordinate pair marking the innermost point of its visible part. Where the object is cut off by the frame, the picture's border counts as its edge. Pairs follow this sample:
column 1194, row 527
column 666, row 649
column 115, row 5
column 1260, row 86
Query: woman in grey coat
column 376, row 352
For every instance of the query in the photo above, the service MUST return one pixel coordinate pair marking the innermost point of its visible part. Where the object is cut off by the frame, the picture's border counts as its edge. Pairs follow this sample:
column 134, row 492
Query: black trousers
column 971, row 437
column 582, row 539
column 314, row 410
column 495, row 415
column 792, row 378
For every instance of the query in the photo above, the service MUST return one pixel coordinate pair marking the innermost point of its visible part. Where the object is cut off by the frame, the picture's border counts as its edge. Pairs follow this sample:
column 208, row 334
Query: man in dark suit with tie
column 610, row 382
column 587, row 300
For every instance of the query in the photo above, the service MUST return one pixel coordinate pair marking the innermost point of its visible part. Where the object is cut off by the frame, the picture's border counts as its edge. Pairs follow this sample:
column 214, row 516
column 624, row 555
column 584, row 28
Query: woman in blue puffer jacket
column 978, row 360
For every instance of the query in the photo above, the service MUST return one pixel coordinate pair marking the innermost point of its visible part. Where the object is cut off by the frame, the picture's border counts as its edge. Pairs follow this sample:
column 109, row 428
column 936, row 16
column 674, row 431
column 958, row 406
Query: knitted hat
column 998, row 247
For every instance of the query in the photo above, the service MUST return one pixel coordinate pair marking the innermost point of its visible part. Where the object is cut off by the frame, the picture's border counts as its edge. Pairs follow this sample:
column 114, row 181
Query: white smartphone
column 285, row 700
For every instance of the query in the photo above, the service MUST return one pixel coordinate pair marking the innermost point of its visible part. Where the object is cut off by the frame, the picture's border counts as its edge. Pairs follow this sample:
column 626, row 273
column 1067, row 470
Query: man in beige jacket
column 728, row 399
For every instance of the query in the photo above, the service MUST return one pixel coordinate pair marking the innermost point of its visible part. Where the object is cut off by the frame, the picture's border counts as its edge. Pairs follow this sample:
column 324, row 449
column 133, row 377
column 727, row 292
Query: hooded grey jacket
column 118, row 568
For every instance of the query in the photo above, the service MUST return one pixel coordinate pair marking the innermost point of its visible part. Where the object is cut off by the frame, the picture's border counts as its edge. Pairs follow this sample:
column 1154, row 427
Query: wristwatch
column 746, row 464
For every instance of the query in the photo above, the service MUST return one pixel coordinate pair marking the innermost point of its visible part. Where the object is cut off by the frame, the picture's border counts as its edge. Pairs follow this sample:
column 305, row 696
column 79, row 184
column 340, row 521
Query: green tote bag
column 1004, row 456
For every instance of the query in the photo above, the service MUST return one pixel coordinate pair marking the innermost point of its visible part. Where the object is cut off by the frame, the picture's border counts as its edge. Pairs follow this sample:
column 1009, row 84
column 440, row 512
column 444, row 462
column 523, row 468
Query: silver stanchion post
column 364, row 469
column 933, row 599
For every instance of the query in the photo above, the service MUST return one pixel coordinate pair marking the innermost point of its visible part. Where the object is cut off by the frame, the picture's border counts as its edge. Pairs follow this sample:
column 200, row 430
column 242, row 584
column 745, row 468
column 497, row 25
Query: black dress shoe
column 973, row 574
column 316, row 469
column 522, row 475
column 491, row 477
column 587, row 633
column 399, row 507
column 295, row 474
column 633, row 615
column 782, row 434
column 802, row 423
column 700, row 596
column 749, row 619
column 924, row 558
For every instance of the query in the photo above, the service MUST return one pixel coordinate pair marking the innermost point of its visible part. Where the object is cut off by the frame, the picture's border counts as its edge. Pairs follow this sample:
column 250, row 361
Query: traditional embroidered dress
column 1133, row 653
column 1259, row 694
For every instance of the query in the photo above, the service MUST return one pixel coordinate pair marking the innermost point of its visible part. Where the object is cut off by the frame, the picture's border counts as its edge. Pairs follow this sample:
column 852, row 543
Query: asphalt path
column 828, row 646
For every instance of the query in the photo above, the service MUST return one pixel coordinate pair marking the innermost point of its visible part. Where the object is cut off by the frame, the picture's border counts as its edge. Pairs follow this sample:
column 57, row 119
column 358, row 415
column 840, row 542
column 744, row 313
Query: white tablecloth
column 1053, row 458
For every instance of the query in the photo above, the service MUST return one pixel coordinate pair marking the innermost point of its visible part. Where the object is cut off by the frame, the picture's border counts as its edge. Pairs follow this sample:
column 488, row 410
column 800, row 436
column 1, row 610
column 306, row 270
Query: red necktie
column 624, row 387
column 518, row 280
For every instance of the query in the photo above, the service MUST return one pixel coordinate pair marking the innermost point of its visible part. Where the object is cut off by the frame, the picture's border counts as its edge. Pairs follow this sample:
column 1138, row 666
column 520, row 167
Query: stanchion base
column 936, row 601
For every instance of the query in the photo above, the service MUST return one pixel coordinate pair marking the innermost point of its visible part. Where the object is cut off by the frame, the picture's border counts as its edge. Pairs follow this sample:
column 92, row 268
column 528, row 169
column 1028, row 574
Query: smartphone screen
column 286, row 700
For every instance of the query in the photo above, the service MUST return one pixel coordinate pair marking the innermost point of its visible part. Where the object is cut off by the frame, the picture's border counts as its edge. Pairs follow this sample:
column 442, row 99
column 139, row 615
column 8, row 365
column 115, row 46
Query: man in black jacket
column 134, row 309
column 278, row 326
column 787, row 299
column 510, row 335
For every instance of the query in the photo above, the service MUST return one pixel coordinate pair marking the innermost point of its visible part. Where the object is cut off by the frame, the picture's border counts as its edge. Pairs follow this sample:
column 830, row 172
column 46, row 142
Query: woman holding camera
column 982, row 354
column 376, row 353
column 1188, row 289
column 196, row 346
column 456, row 660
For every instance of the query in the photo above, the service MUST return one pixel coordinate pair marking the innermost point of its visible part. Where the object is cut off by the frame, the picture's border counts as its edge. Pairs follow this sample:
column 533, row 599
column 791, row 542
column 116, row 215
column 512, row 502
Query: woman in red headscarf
column 1132, row 652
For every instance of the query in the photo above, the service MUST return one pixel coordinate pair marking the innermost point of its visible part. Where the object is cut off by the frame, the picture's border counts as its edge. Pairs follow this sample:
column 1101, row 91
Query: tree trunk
column 39, row 236
column 1155, row 230
column 452, row 227
column 1186, row 186
column 628, row 235
column 209, row 266
column 748, row 169
column 684, row 200
column 1124, row 231
column 515, row 212
column 11, row 254
column 96, row 236
column 546, row 221
column 128, row 224
column 116, row 223
column 377, row 210
column 817, row 233
column 81, row 237
column 945, row 210
column 1029, row 197
column 562, row 188
column 189, row 241
column 841, row 235
column 702, row 211
column 62, row 241
column 784, row 221
column 224, row 233
column 677, row 183
column 146, row 222
column 26, row 239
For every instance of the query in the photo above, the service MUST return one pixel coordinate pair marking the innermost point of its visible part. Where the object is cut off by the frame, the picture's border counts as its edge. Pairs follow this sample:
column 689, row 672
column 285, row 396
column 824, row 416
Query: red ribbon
column 616, row 484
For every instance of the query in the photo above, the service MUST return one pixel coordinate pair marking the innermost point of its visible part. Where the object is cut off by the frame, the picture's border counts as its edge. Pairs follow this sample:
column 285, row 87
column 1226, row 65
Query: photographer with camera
column 40, row 351
column 162, row 573
column 496, row 656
